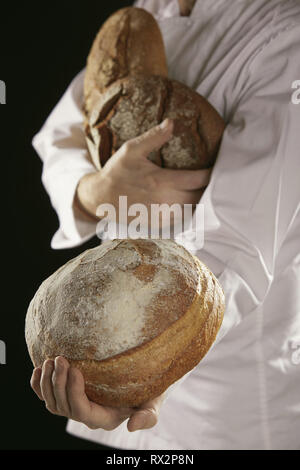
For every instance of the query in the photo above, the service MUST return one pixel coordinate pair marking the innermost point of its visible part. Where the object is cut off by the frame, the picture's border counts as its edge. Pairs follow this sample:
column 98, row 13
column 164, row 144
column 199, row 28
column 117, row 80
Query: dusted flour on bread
column 132, row 315
column 109, row 299
column 135, row 104
column 127, row 91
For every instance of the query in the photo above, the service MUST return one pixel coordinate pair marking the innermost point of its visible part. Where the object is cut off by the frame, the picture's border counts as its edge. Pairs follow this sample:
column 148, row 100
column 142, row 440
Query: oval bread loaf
column 133, row 315
column 128, row 43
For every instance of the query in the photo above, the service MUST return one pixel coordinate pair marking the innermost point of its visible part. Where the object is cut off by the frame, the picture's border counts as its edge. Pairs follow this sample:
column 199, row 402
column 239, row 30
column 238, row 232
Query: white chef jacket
column 244, row 57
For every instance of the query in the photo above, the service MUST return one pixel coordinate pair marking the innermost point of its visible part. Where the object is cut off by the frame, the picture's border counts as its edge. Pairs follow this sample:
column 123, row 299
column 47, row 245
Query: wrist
column 85, row 200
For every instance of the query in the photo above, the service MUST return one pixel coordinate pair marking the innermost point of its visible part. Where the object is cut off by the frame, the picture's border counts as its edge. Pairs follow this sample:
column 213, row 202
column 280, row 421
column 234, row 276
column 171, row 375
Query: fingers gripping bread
column 133, row 315
column 127, row 91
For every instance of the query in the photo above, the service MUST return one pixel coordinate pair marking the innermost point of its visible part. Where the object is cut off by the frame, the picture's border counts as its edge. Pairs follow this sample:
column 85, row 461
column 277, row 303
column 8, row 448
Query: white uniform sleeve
column 62, row 148
column 253, row 196
column 153, row 6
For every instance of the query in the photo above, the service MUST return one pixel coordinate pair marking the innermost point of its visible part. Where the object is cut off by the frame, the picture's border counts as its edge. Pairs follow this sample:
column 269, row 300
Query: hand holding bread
column 62, row 388
column 127, row 92
column 126, row 95
column 133, row 316
column 111, row 330
column 129, row 172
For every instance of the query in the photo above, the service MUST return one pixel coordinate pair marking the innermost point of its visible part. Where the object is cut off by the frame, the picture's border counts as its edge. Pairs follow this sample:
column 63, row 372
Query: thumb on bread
column 151, row 140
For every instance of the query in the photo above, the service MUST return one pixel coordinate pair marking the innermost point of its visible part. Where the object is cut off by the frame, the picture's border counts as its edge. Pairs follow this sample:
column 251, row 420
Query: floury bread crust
column 127, row 91
column 131, row 106
column 133, row 315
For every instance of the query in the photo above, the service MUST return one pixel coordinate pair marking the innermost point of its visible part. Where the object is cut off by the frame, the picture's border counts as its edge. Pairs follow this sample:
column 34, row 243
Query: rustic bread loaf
column 127, row 91
column 133, row 315
column 128, row 43
column 133, row 105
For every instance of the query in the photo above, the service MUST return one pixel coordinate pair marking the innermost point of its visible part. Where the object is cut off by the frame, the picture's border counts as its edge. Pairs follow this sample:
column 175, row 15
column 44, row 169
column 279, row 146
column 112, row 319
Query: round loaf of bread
column 131, row 106
column 133, row 315
column 128, row 43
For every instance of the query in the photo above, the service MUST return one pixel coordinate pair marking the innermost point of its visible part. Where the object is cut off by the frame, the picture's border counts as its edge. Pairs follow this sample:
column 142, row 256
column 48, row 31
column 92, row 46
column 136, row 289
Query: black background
column 42, row 47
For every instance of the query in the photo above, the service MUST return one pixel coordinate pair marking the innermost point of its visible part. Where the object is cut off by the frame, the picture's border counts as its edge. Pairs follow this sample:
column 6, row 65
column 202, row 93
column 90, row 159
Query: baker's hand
column 130, row 173
column 61, row 387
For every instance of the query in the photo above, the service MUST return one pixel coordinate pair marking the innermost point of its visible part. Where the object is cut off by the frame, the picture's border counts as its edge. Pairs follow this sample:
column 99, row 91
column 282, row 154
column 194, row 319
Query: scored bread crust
column 127, row 92
column 128, row 43
column 180, row 322
column 133, row 105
